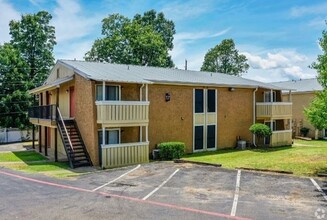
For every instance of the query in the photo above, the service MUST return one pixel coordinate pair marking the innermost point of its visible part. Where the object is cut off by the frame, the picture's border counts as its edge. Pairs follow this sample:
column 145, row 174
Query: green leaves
column 24, row 64
column 144, row 40
column 317, row 111
column 224, row 58
column 260, row 130
column 34, row 38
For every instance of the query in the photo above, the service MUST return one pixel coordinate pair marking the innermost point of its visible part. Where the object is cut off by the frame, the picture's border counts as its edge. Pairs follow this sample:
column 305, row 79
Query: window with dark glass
column 111, row 93
column 198, row 137
column 211, row 136
column 211, row 101
column 199, row 101
column 112, row 137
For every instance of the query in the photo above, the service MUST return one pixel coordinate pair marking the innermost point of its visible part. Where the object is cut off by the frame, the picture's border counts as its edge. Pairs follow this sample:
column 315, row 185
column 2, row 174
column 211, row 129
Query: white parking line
column 163, row 183
column 237, row 191
column 318, row 188
column 138, row 166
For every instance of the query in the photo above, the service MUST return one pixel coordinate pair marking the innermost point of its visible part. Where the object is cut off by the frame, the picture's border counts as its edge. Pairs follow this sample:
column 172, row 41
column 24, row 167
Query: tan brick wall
column 173, row 120
column 301, row 101
column 235, row 116
column 85, row 114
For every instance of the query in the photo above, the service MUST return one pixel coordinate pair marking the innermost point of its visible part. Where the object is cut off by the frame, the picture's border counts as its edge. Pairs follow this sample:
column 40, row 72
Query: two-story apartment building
column 303, row 92
column 117, row 114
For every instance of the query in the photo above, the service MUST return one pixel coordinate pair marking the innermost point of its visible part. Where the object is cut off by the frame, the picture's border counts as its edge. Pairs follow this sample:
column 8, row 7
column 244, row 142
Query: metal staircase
column 73, row 143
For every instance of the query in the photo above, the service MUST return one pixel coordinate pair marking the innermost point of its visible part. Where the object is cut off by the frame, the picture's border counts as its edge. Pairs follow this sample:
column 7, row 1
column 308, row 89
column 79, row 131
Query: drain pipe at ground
column 254, row 105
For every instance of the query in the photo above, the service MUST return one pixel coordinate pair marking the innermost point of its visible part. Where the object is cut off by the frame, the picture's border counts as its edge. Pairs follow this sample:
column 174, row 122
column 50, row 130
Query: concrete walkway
column 21, row 146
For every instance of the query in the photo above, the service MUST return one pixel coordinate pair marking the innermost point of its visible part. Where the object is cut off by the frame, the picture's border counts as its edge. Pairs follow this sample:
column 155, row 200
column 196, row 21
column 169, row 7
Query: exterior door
column 71, row 102
column 205, row 119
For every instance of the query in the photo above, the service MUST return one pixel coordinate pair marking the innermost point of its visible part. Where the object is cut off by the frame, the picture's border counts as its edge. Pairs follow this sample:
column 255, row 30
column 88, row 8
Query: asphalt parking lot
column 163, row 190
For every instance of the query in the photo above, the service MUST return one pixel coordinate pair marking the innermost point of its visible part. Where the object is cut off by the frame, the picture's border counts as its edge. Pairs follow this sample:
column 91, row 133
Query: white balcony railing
column 281, row 138
column 281, row 110
column 116, row 155
column 120, row 113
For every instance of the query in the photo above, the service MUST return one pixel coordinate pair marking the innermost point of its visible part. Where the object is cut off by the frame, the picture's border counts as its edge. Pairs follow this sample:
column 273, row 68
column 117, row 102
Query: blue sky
column 278, row 37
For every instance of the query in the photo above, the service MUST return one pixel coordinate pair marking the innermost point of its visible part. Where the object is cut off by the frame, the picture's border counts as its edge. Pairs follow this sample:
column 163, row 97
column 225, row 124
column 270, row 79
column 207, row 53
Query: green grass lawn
column 33, row 162
column 305, row 158
column 21, row 156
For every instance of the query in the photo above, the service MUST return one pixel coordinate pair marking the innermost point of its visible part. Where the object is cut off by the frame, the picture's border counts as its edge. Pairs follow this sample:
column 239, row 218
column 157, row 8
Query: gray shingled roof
column 141, row 74
column 302, row 85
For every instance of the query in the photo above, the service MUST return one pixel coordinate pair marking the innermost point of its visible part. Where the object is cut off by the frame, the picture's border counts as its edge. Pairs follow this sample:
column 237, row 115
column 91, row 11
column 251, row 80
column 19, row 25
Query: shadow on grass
column 228, row 151
column 26, row 156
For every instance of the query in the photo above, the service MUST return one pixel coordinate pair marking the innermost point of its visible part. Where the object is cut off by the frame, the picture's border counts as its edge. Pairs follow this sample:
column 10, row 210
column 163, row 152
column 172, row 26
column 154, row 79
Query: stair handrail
column 63, row 124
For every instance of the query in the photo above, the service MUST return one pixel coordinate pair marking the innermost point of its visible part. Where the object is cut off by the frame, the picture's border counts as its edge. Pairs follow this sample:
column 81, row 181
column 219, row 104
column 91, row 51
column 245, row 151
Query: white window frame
column 112, row 129
column 119, row 92
column 206, row 123
column 269, row 93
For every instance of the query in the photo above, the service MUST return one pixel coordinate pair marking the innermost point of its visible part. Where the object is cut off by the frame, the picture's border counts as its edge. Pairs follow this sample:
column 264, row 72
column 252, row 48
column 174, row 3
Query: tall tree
column 317, row 111
column 34, row 38
column 143, row 40
column 24, row 64
column 14, row 99
column 224, row 58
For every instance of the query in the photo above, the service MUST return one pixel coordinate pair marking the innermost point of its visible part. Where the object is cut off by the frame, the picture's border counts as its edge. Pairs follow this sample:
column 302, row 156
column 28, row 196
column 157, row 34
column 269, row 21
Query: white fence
column 9, row 135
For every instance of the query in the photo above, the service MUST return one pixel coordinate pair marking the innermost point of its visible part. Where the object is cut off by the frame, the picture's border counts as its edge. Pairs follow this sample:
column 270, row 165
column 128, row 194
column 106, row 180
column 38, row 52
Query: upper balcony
column 274, row 110
column 123, row 113
column 44, row 115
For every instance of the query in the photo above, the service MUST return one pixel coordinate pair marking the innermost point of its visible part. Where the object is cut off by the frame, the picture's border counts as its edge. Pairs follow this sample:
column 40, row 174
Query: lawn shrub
column 260, row 130
column 171, row 150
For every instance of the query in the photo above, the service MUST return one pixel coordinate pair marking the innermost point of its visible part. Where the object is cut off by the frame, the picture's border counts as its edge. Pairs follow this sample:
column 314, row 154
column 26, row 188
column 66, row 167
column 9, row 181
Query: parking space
column 179, row 190
column 260, row 195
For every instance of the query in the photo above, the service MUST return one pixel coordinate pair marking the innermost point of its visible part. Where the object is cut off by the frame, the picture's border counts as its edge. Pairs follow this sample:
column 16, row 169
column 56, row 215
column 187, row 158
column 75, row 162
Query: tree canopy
column 224, row 58
column 24, row 64
column 143, row 40
column 34, row 38
column 317, row 111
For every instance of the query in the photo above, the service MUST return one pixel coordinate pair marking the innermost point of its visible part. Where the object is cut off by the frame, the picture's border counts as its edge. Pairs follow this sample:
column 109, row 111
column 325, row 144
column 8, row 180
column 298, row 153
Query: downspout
column 141, row 91
column 141, row 128
column 254, row 115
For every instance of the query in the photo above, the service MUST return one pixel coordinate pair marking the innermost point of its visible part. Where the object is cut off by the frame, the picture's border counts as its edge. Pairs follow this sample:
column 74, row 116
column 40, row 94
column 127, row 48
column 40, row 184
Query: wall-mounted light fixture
column 231, row 89
column 167, row 97
column 67, row 91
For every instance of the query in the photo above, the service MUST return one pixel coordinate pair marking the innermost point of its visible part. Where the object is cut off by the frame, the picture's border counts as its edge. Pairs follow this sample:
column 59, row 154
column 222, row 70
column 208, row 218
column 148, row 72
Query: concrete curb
column 265, row 170
column 196, row 162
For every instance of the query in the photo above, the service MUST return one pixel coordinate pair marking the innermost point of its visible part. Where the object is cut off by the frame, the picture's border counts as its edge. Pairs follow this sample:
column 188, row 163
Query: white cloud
column 280, row 59
column 71, row 22
column 309, row 10
column 278, row 66
column 8, row 13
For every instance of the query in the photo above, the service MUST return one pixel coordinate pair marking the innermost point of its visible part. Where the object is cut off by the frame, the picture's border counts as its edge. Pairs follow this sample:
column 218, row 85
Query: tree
column 144, row 40
column 14, row 99
column 24, row 64
column 317, row 111
column 34, row 38
column 260, row 130
column 224, row 58
column 321, row 64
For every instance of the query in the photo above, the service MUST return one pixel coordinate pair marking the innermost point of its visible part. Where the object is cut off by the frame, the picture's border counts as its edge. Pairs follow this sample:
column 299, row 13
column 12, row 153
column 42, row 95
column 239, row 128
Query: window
column 112, row 136
column 267, row 96
column 199, row 101
column 274, row 128
column 198, row 138
column 211, row 100
column 211, row 136
column 111, row 93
